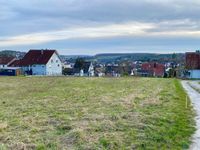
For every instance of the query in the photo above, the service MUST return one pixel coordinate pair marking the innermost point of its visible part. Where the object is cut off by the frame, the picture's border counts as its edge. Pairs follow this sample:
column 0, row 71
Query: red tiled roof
column 37, row 57
column 15, row 63
column 193, row 60
column 6, row 60
column 154, row 68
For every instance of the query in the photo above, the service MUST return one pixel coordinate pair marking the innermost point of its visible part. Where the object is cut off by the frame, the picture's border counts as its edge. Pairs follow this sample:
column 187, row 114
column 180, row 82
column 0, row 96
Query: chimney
column 42, row 51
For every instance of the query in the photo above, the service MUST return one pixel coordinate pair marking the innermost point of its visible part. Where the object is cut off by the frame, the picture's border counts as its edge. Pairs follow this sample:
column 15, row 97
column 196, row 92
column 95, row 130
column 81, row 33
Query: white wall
column 54, row 66
column 194, row 74
column 3, row 66
column 91, row 70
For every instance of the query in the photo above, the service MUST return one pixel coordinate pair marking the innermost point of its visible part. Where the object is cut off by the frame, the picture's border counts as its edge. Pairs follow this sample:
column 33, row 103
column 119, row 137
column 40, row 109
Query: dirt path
column 193, row 90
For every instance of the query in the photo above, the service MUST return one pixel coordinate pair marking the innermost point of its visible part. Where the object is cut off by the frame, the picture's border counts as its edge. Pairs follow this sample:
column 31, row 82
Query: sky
column 100, row 26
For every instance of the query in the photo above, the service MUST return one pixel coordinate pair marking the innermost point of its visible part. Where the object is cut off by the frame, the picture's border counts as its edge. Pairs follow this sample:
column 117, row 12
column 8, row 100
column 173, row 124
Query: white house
column 87, row 69
column 67, row 65
column 42, row 62
column 91, row 70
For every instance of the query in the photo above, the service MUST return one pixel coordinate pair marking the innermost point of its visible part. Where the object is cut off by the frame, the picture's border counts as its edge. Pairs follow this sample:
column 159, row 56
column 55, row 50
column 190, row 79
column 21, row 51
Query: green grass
column 93, row 113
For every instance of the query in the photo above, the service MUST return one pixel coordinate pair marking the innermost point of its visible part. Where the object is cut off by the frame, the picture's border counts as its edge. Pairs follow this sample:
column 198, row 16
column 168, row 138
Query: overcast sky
column 100, row 26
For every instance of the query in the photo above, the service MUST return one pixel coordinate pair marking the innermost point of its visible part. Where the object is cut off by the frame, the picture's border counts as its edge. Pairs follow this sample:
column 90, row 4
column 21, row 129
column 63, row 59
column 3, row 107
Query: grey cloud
column 24, row 17
column 119, row 44
column 49, row 14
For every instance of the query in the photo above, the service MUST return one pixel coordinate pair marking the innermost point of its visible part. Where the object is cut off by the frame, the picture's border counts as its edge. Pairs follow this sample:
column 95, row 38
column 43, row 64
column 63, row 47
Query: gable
column 37, row 57
column 55, row 58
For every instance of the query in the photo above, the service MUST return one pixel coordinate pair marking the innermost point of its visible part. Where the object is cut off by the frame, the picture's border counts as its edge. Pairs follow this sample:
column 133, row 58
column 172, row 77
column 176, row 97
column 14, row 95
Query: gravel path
column 193, row 90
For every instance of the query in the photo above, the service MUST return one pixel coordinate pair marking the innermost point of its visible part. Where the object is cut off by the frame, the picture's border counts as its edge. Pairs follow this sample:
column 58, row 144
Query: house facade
column 41, row 62
column 193, row 65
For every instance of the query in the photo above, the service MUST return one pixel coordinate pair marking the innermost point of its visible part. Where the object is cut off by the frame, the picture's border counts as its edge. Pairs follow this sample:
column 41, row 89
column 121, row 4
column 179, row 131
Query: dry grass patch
column 93, row 113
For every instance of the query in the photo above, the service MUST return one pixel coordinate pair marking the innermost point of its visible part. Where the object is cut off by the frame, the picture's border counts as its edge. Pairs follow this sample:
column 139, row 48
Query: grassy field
column 93, row 113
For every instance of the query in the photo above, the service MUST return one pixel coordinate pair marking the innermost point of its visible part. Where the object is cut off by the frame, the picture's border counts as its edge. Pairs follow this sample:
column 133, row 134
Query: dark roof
column 6, row 60
column 37, row 57
column 193, row 60
column 111, row 69
column 85, row 66
column 15, row 63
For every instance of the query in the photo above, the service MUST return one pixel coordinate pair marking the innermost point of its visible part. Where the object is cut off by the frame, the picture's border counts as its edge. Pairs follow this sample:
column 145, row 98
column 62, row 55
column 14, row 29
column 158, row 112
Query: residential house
column 40, row 62
column 6, row 61
column 68, row 65
column 153, row 69
column 193, row 65
column 136, row 68
column 112, row 70
column 86, row 69
column 99, row 71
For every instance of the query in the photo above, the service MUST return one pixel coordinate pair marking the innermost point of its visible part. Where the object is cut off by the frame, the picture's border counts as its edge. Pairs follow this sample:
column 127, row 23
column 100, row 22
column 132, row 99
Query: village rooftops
column 85, row 67
column 6, row 60
column 37, row 57
column 155, row 69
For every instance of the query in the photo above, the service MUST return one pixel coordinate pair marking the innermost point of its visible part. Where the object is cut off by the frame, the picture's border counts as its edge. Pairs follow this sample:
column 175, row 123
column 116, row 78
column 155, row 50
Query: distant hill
column 119, row 57
column 114, row 57
column 72, row 58
column 9, row 53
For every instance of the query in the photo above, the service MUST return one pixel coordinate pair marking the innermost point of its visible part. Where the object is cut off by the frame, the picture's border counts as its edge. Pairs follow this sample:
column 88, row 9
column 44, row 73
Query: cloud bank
column 62, row 23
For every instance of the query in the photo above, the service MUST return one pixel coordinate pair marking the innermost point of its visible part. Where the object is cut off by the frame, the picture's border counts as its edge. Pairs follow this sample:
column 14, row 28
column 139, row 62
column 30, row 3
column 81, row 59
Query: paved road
column 193, row 90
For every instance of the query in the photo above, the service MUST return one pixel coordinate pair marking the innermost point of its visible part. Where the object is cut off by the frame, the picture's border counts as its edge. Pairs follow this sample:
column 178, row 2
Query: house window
column 58, row 65
column 56, row 60
column 52, row 61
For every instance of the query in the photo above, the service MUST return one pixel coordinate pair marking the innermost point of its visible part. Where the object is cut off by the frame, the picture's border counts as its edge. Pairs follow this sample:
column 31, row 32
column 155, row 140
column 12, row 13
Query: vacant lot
column 93, row 113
